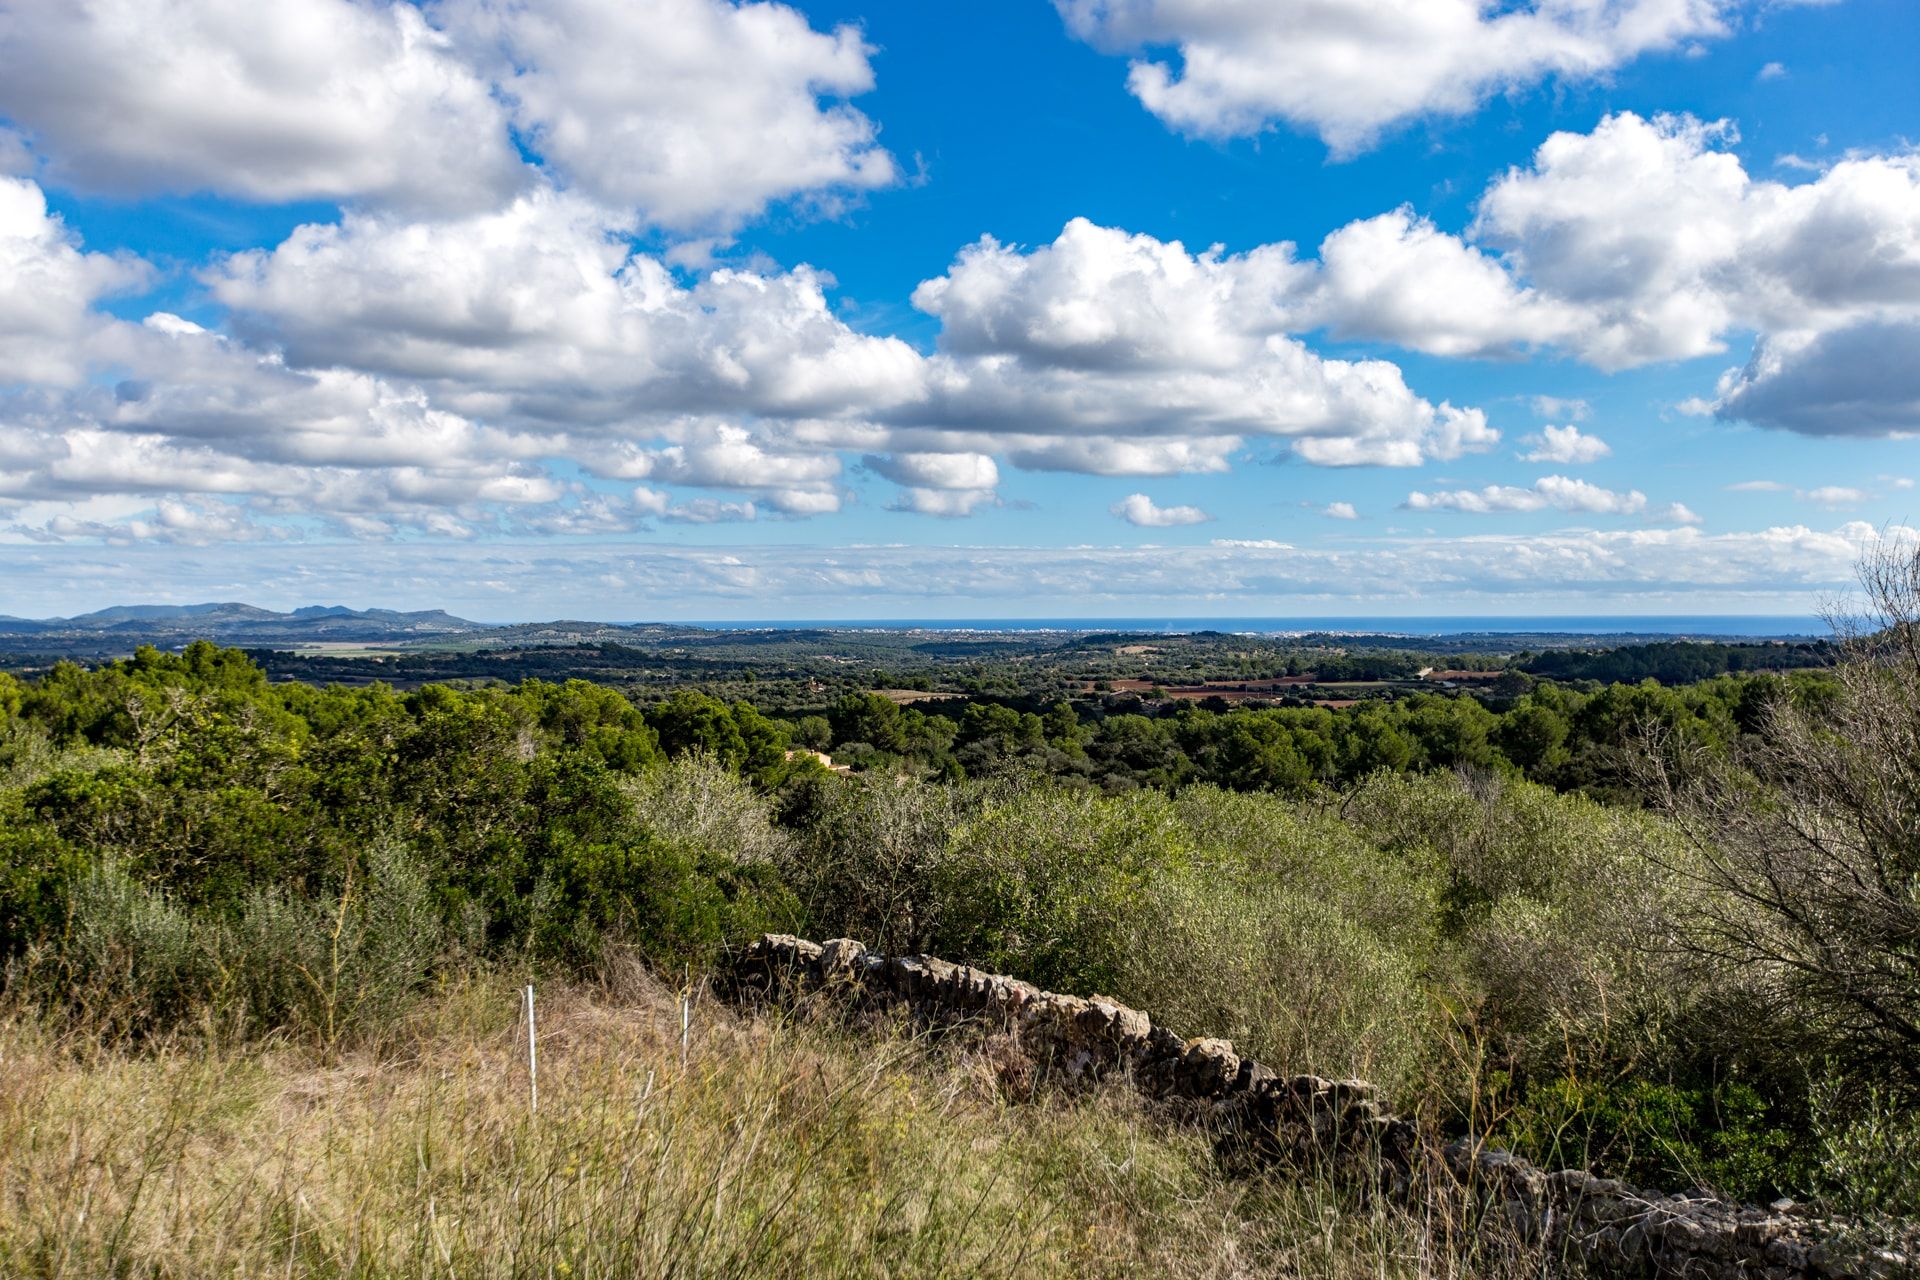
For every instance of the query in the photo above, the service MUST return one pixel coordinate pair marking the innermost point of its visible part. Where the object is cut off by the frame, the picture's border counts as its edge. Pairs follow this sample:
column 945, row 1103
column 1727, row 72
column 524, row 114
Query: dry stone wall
column 1618, row 1230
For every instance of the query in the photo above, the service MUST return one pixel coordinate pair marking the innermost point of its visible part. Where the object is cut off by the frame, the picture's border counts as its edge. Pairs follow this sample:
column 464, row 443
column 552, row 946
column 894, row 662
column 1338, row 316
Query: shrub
column 334, row 966
column 1041, row 881
column 696, row 801
column 1868, row 1152
column 132, row 959
column 1804, row 864
column 866, row 855
column 1259, row 839
column 1719, row 1134
column 1281, row 973
column 673, row 901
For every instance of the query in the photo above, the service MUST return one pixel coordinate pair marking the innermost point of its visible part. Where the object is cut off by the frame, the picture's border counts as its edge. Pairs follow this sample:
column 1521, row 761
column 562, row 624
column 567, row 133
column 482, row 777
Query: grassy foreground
column 766, row 1150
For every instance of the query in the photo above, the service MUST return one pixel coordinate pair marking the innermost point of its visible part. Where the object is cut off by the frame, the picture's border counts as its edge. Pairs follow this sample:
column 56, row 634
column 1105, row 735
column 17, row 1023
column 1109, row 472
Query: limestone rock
column 1208, row 1067
column 842, row 958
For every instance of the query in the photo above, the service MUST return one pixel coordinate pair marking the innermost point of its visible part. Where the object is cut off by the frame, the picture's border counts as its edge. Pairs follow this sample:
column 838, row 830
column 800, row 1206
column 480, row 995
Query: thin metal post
column 686, row 1017
column 533, row 1059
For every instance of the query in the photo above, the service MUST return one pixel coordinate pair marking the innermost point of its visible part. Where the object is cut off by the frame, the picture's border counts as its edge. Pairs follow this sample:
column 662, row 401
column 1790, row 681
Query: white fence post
column 533, row 1059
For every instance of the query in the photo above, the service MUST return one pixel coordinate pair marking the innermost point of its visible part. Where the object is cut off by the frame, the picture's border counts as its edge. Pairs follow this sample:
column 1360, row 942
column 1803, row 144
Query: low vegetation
column 746, row 1148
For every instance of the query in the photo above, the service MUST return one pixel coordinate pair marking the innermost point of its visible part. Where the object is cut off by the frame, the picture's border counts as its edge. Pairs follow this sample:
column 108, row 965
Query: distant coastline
column 119, row 630
column 1717, row 626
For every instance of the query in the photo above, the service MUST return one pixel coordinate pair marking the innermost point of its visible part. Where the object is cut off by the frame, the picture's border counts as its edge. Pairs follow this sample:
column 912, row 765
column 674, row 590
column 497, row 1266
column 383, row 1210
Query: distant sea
column 1722, row 626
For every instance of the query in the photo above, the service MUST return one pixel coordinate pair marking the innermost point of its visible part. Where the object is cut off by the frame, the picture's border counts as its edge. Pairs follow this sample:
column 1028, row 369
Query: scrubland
column 262, row 946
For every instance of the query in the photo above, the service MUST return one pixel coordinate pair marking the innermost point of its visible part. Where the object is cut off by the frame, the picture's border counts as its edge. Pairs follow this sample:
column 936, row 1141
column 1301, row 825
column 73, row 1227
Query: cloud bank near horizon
column 1787, row 569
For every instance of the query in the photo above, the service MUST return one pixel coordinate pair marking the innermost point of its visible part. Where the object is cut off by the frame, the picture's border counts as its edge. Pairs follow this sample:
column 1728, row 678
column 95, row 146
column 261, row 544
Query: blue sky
column 683, row 308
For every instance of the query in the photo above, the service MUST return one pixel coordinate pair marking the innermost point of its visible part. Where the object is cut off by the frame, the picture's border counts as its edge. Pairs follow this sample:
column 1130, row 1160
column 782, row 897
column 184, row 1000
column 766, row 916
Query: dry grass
column 766, row 1150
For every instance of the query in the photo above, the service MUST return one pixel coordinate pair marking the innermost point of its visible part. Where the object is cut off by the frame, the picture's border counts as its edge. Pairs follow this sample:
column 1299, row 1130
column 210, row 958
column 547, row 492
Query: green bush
column 1281, row 973
column 866, row 856
column 333, row 966
column 674, row 902
column 1868, row 1152
column 1254, row 839
column 697, row 801
column 131, row 959
column 1042, row 881
column 1722, row 1135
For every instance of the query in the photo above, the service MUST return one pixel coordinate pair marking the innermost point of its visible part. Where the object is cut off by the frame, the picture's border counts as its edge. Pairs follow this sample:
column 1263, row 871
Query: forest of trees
column 1673, row 662
column 1554, row 734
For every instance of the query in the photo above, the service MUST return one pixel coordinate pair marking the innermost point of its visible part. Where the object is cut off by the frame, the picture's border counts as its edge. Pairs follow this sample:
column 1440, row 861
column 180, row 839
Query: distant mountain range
column 236, row 624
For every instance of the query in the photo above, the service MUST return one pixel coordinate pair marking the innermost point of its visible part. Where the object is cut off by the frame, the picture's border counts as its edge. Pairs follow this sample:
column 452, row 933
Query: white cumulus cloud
column 1663, row 242
column 698, row 113
column 1561, row 493
column 1566, row 444
column 292, row 100
column 939, row 484
column 1350, row 69
column 1646, row 240
column 1139, row 509
column 1863, row 380
column 1124, row 335
column 48, row 288
column 717, row 454
column 693, row 115
column 1399, row 278
column 947, row 503
column 541, row 308
column 938, row 470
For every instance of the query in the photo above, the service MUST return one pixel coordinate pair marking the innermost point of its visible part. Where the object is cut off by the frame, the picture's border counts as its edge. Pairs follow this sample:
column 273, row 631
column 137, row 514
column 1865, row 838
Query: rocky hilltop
column 230, row 623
